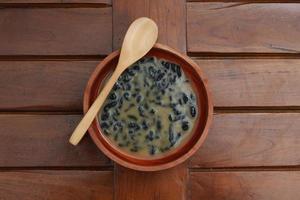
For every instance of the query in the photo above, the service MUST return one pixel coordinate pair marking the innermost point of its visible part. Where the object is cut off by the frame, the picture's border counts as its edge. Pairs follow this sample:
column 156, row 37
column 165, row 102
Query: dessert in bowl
column 157, row 114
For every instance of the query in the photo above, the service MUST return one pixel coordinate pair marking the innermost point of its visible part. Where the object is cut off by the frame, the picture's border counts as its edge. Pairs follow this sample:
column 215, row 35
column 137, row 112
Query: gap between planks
column 219, row 55
column 58, row 168
column 258, row 109
column 53, row 58
column 246, row 1
column 193, row 55
column 245, row 169
column 53, row 5
column 41, row 112
column 217, row 110
column 192, row 169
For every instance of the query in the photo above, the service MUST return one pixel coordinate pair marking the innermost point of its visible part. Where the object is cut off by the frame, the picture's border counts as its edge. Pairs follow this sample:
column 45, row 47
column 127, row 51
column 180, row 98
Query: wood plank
column 275, row 185
column 243, row 27
column 168, row 184
column 42, row 140
column 248, row 1
column 251, row 139
column 253, row 82
column 43, row 85
column 54, row 185
column 55, row 31
column 108, row 2
column 170, row 16
column 37, row 85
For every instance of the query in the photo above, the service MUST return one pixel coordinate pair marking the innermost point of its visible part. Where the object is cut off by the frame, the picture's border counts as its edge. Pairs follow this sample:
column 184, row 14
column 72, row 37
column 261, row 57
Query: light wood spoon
column 139, row 39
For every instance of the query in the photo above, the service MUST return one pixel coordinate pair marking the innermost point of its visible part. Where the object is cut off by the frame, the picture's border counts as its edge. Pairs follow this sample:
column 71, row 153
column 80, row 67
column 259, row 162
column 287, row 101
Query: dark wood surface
column 56, row 185
column 166, row 184
column 253, row 82
column 242, row 27
column 249, row 52
column 38, row 85
column 55, row 31
column 251, row 139
column 170, row 17
column 275, row 185
column 41, row 140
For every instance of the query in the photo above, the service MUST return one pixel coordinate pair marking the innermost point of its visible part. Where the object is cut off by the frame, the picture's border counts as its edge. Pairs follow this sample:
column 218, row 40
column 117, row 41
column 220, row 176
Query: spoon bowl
column 139, row 39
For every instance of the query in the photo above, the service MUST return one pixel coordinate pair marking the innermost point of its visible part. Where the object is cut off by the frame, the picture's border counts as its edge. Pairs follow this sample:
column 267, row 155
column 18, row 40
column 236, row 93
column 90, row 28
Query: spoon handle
column 88, row 118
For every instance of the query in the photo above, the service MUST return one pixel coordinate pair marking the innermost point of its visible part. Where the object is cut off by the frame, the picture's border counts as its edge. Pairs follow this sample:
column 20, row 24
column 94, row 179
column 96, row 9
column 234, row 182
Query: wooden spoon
column 139, row 39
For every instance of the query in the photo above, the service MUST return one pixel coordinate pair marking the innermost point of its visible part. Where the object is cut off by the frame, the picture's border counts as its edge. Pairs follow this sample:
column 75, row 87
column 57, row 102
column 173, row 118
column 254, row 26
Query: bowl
column 180, row 153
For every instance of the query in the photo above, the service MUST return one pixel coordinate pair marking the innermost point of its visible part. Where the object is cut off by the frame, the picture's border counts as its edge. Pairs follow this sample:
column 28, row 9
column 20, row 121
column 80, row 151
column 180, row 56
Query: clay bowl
column 183, row 151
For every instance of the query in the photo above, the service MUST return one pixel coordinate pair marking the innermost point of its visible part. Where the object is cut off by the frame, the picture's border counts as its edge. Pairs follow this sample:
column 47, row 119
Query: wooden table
column 249, row 52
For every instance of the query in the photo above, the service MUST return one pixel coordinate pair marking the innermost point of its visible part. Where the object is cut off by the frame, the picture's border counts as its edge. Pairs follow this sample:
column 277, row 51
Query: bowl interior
column 180, row 153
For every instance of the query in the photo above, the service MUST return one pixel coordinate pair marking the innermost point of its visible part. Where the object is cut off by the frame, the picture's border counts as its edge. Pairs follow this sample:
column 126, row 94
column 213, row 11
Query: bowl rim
column 94, row 128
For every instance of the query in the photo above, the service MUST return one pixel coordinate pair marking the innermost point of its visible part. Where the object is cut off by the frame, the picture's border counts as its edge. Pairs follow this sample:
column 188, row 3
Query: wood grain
column 42, row 140
column 43, row 85
column 243, row 27
column 55, row 31
column 168, row 184
column 170, row 16
column 108, row 2
column 54, row 185
column 251, row 139
column 253, row 82
column 275, row 185
column 38, row 85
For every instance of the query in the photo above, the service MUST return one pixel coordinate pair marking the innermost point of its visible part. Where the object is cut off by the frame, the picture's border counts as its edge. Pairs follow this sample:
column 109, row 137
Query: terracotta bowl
column 180, row 153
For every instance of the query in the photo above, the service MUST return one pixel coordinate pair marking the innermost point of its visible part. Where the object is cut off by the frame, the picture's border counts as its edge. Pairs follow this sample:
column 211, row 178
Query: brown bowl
column 179, row 154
